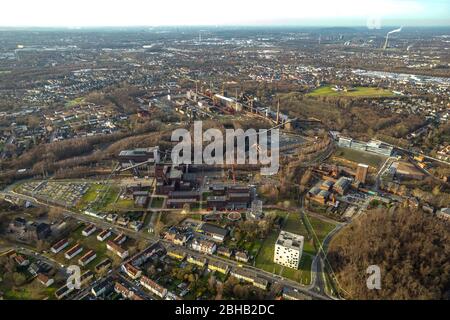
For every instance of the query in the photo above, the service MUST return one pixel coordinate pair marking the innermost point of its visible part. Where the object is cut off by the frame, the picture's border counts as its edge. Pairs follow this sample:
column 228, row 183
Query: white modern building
column 373, row 146
column 288, row 249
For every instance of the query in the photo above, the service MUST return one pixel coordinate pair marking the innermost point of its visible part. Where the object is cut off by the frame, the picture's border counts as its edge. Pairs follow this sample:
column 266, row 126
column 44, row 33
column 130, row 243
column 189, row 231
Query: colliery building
column 136, row 156
column 372, row 146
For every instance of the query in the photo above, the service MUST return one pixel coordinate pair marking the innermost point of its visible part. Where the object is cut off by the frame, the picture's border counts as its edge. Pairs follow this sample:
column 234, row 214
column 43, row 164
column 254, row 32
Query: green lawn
column 252, row 246
column 88, row 243
column 356, row 156
column 74, row 102
column 32, row 290
column 157, row 202
column 91, row 195
column 122, row 204
column 303, row 274
column 264, row 261
column 320, row 227
column 107, row 197
column 293, row 223
column 326, row 91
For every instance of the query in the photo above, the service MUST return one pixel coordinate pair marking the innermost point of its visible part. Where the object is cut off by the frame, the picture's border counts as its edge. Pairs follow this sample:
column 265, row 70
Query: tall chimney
column 278, row 111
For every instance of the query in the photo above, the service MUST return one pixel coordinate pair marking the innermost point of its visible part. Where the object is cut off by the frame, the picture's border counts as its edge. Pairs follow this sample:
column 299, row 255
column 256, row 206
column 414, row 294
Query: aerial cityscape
column 226, row 160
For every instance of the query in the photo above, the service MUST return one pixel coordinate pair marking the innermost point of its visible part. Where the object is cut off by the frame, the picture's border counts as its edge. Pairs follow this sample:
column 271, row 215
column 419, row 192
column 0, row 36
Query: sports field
column 356, row 156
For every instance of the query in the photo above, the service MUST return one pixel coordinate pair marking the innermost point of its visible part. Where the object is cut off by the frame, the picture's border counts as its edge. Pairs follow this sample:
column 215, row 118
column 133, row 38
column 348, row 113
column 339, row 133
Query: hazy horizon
column 266, row 13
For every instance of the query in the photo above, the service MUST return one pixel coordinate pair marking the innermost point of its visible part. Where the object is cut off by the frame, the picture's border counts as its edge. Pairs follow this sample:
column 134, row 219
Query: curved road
column 142, row 236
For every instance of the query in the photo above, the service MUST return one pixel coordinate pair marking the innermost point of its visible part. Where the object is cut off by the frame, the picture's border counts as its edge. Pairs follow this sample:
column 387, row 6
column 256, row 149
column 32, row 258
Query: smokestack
column 388, row 34
column 278, row 111
column 386, row 42
column 237, row 104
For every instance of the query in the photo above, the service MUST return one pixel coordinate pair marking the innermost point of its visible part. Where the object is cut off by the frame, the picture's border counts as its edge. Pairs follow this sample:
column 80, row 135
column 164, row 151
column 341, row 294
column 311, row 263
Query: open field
column 293, row 223
column 100, row 197
column 107, row 199
column 327, row 91
column 320, row 227
column 90, row 195
column 356, row 156
column 264, row 261
column 74, row 102
column 303, row 275
column 157, row 202
column 31, row 291
column 122, row 204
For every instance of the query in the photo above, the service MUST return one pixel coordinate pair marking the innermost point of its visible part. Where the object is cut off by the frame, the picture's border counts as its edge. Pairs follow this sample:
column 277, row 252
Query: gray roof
column 210, row 228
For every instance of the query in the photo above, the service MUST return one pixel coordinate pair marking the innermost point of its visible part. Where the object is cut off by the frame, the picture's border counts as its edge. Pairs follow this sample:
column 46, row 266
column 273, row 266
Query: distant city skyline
column 91, row 13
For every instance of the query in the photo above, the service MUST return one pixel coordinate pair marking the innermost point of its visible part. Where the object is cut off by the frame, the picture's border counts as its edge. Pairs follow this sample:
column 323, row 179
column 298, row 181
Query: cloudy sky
column 73, row 13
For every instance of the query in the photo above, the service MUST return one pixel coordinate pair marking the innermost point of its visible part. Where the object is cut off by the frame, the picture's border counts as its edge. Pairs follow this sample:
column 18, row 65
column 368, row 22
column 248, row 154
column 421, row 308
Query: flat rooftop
column 138, row 151
column 290, row 240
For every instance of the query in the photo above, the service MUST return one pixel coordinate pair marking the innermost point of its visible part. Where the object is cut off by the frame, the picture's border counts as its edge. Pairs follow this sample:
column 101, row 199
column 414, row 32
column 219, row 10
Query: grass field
column 157, row 202
column 320, row 227
column 303, row 274
column 90, row 195
column 30, row 291
column 74, row 102
column 88, row 243
column 101, row 197
column 292, row 222
column 327, row 91
column 123, row 204
column 264, row 261
column 252, row 246
column 356, row 156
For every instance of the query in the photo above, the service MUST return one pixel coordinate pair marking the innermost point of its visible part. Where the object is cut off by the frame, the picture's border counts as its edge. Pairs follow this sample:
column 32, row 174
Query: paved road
column 319, row 262
column 33, row 253
column 142, row 236
column 318, row 281
column 413, row 154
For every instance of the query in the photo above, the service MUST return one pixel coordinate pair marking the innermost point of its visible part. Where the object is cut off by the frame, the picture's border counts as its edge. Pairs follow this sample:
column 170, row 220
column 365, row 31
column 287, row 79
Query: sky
column 92, row 13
